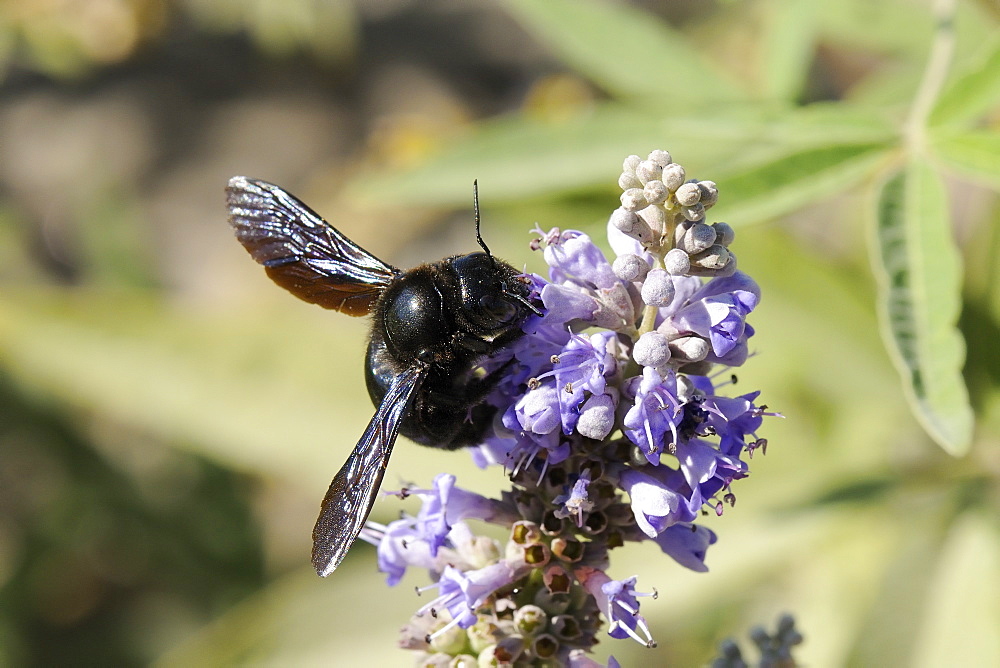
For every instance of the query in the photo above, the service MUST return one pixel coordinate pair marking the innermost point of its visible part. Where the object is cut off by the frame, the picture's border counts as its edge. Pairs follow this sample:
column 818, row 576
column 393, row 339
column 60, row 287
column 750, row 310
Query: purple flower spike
column 612, row 424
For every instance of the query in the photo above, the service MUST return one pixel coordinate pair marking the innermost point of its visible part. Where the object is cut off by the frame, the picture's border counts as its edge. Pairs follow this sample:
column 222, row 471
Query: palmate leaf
column 918, row 267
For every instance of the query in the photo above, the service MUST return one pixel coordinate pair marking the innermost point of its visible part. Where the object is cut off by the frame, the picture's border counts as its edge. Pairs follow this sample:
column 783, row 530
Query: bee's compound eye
column 498, row 308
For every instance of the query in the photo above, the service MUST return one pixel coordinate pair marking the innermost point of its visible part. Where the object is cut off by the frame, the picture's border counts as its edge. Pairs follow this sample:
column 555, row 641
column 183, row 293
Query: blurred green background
column 169, row 420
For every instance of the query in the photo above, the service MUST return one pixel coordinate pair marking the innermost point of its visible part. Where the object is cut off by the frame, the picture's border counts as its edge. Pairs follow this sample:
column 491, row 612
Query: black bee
column 432, row 327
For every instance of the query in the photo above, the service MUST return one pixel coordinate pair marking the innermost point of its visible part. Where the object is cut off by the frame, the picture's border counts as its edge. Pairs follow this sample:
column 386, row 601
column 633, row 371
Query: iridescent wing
column 352, row 493
column 303, row 253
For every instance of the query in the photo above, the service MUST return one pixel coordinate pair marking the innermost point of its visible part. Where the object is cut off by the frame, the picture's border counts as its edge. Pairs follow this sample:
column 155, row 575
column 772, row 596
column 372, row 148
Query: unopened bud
column 714, row 257
column 655, row 218
column 651, row 350
column 660, row 157
column 597, row 417
column 657, row 289
column 647, row 171
column 655, row 192
column 724, row 233
column 688, row 194
column 633, row 199
column 673, row 176
column 627, row 180
column 676, row 262
column 697, row 238
column 629, row 267
column 691, row 348
column 695, row 212
column 709, row 193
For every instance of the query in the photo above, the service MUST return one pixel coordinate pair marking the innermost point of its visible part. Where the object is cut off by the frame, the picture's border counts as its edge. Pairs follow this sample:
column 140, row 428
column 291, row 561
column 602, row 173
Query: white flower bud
column 626, row 181
column 724, row 233
column 673, row 176
column 647, row 171
column 691, row 348
column 696, row 212
column 657, row 289
column 623, row 219
column 651, row 349
column 688, row 194
column 631, row 163
column 630, row 223
column 714, row 257
column 633, row 199
column 629, row 267
column 655, row 218
column 661, row 158
column 655, row 192
column 709, row 193
column 597, row 417
column 676, row 262
column 697, row 238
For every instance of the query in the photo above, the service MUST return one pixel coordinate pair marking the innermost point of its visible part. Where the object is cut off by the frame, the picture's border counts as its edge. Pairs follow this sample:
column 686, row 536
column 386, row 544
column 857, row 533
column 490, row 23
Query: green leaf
column 918, row 267
column 976, row 154
column 518, row 156
column 788, row 48
column 789, row 182
column 973, row 93
column 626, row 51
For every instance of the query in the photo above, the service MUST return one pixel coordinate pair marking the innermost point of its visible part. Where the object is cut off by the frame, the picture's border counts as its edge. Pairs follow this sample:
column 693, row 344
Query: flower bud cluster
column 613, row 427
column 666, row 214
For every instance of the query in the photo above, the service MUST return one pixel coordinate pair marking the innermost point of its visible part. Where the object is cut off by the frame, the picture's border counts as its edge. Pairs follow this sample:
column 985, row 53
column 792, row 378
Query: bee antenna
column 475, row 201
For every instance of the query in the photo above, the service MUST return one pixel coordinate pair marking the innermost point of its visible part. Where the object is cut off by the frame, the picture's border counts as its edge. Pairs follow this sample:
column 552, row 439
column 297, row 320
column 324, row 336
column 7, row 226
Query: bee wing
column 303, row 253
column 352, row 492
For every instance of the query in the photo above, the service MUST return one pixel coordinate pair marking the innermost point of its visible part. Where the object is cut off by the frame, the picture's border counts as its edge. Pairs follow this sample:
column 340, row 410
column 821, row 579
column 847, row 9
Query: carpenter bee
column 432, row 328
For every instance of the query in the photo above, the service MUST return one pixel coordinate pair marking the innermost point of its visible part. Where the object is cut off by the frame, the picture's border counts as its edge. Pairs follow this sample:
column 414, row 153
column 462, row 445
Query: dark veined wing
column 303, row 253
column 352, row 492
